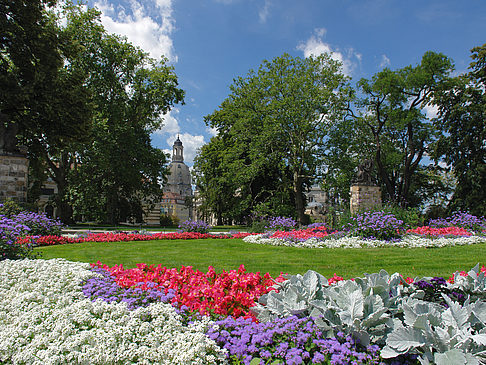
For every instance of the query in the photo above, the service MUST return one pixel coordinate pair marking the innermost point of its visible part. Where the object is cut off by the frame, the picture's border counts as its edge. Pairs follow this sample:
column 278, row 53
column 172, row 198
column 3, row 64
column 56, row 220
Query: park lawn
column 226, row 254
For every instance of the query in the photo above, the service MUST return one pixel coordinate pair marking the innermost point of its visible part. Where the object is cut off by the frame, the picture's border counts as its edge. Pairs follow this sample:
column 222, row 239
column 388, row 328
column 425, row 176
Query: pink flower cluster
column 443, row 231
column 118, row 237
column 228, row 293
column 302, row 234
column 463, row 273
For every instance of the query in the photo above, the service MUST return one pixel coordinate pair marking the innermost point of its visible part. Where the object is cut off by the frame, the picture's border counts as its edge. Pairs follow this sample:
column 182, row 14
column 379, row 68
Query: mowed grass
column 230, row 254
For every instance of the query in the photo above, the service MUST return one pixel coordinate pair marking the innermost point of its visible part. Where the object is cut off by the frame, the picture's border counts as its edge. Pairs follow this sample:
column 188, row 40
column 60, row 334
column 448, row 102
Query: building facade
column 178, row 194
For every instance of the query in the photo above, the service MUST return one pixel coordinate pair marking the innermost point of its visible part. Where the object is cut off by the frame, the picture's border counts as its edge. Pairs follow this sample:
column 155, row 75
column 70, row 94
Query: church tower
column 179, row 185
column 177, row 151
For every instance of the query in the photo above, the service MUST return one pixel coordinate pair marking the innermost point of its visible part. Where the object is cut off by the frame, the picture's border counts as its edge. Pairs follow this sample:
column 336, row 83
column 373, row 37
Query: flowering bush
column 461, row 220
column 376, row 225
column 10, row 230
column 229, row 293
column 195, row 226
column 280, row 224
column 39, row 223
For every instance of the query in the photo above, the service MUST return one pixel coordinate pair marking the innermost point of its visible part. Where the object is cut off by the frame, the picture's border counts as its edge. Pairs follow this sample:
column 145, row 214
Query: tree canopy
column 462, row 143
column 271, row 132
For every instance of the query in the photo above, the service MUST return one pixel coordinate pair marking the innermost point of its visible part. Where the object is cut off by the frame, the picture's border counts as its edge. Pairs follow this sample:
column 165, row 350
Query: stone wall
column 13, row 177
column 364, row 197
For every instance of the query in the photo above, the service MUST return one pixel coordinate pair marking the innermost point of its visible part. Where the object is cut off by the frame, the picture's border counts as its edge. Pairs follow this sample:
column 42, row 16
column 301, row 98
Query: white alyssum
column 409, row 241
column 45, row 319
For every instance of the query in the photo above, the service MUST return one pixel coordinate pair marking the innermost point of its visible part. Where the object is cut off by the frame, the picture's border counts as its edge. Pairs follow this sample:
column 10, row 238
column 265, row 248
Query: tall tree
column 29, row 61
column 44, row 102
column 275, row 118
column 392, row 117
column 462, row 145
column 119, row 169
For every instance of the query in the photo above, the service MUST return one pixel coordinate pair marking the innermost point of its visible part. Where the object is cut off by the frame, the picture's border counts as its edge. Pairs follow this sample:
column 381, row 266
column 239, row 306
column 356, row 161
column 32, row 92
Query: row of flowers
column 56, row 311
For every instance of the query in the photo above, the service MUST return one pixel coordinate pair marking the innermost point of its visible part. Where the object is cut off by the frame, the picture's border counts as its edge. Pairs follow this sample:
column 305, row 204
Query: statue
column 8, row 137
column 363, row 177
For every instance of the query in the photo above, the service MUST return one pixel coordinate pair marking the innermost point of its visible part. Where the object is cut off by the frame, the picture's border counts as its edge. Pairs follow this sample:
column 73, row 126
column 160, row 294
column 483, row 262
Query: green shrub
column 10, row 208
column 169, row 220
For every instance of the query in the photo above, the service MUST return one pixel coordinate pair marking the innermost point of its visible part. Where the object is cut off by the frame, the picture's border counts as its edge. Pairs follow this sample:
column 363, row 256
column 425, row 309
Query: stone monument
column 14, row 165
column 365, row 194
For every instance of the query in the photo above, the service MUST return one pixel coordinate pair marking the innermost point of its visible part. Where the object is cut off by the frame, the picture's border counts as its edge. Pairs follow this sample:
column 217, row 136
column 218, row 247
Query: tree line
column 85, row 102
column 298, row 121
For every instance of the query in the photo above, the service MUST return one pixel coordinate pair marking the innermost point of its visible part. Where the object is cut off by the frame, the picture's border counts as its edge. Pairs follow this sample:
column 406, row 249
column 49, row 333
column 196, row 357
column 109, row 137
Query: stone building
column 177, row 193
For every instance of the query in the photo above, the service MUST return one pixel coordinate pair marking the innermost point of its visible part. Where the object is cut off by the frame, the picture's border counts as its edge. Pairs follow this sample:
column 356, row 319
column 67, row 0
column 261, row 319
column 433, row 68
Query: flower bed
column 228, row 293
column 68, row 312
column 124, row 237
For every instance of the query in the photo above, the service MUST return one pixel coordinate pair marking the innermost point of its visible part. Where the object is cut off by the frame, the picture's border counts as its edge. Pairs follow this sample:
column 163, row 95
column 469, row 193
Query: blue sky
column 211, row 42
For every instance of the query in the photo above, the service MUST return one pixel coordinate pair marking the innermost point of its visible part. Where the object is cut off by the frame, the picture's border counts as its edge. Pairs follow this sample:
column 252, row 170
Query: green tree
column 391, row 126
column 43, row 100
column 462, row 116
column 275, row 120
column 119, row 169
column 29, row 62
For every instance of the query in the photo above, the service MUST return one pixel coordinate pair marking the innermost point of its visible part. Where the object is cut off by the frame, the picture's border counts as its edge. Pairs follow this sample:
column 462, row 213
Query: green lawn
column 229, row 254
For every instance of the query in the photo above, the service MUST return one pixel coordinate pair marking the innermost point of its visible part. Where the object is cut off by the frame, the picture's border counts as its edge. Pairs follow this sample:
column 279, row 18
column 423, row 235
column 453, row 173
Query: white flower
column 409, row 241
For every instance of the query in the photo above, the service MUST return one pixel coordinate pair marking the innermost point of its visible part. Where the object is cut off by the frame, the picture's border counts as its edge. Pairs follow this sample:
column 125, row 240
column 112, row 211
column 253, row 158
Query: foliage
column 10, row 208
column 195, row 226
column 363, row 308
column 391, row 128
column 273, row 124
column 439, row 335
column 462, row 109
column 130, row 92
column 169, row 220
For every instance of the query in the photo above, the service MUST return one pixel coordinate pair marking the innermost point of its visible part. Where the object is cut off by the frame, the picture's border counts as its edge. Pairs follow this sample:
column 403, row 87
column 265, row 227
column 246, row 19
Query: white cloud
column 140, row 27
column 171, row 124
column 190, row 143
column 385, row 61
column 315, row 46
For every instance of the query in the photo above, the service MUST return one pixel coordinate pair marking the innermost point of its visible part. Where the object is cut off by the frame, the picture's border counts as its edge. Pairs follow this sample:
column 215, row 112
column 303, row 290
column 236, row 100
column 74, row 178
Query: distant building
column 316, row 203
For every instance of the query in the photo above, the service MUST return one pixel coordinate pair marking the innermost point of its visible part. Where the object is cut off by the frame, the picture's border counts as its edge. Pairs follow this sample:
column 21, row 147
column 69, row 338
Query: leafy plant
column 453, row 335
column 363, row 307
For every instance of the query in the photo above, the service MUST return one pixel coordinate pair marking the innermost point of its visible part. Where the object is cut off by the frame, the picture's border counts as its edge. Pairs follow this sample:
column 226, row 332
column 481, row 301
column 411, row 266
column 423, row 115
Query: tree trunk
column 299, row 199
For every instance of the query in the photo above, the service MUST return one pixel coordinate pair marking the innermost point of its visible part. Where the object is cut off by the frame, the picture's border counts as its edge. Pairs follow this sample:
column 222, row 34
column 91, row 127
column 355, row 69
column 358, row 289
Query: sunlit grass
column 230, row 254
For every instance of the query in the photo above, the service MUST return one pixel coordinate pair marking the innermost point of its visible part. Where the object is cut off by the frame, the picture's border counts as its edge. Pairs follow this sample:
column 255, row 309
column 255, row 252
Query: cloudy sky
column 211, row 42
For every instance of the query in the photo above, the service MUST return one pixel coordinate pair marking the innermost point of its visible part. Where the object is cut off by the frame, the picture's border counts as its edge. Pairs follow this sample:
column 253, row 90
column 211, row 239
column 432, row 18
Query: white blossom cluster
column 45, row 319
column 409, row 241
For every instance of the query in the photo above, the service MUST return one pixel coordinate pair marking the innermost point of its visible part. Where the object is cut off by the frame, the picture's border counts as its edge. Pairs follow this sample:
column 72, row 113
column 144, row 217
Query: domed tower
column 178, row 186
column 177, row 151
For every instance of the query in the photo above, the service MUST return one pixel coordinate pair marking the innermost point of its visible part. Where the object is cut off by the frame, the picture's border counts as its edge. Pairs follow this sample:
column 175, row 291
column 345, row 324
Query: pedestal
column 364, row 197
column 13, row 177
